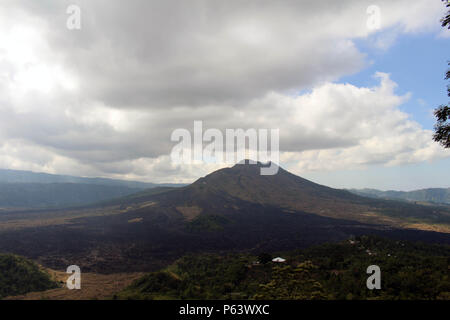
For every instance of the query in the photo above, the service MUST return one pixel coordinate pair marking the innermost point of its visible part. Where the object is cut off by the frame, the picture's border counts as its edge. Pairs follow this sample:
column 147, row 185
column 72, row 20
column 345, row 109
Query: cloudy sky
column 353, row 103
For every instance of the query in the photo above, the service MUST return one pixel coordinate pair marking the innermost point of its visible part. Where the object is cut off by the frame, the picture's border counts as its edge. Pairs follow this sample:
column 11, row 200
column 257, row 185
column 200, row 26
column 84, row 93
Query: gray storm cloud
column 105, row 98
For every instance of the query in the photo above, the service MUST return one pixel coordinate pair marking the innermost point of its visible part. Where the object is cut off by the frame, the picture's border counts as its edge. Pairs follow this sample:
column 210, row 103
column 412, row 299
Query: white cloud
column 103, row 100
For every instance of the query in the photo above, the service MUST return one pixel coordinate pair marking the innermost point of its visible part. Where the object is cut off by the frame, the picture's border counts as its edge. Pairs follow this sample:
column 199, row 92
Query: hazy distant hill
column 19, row 176
column 41, row 195
column 435, row 195
column 37, row 190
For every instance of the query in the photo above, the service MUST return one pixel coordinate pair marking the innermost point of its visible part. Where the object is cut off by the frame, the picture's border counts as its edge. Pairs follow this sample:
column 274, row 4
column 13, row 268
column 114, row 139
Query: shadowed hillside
column 19, row 275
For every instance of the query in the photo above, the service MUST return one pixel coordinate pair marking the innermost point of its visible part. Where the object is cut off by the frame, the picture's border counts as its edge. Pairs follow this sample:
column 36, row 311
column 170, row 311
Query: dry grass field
column 93, row 287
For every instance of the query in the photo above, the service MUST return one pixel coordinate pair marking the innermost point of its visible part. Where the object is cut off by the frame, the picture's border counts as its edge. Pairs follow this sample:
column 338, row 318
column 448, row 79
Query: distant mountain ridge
column 40, row 190
column 433, row 195
column 47, row 195
column 20, row 176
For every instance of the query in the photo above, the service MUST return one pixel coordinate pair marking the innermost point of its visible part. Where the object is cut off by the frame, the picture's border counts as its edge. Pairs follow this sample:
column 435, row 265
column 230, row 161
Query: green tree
column 442, row 127
column 446, row 20
column 292, row 283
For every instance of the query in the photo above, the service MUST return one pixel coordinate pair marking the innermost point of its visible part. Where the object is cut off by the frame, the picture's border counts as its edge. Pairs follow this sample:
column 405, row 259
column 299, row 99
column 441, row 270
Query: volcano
column 227, row 190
